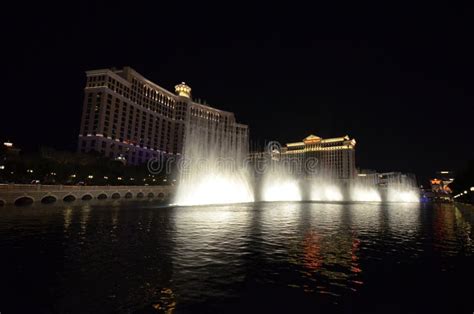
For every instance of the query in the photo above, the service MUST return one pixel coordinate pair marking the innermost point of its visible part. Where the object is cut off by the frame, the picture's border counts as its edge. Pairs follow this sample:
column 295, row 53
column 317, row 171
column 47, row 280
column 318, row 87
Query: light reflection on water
column 263, row 256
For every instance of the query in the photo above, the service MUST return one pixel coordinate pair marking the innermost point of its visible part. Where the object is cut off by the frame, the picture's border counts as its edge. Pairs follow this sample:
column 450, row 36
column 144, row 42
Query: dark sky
column 399, row 79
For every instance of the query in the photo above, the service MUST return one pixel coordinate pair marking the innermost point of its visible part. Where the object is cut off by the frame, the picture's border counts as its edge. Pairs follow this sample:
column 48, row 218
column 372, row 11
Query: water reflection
column 67, row 218
column 128, row 257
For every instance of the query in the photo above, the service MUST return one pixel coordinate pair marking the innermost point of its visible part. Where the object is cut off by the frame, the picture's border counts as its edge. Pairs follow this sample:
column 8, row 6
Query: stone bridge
column 21, row 194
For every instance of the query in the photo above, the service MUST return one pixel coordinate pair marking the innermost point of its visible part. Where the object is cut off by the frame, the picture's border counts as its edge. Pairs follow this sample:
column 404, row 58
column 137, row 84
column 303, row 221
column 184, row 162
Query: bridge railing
column 42, row 187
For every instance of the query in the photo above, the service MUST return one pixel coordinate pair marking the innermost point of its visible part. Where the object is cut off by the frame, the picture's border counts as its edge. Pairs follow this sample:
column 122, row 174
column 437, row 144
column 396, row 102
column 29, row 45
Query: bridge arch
column 102, row 196
column 140, row 195
column 115, row 195
column 69, row 198
column 161, row 195
column 24, row 200
column 2, row 203
column 49, row 199
column 150, row 195
column 86, row 197
column 128, row 195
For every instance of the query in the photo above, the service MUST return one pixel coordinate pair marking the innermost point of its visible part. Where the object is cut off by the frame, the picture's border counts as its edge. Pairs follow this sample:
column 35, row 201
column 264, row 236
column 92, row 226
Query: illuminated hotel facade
column 331, row 157
column 129, row 117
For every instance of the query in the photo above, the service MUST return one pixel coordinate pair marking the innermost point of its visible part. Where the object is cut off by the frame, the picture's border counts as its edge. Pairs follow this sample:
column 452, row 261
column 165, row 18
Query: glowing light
column 8, row 144
column 2, row 167
column 472, row 188
column 403, row 195
column 287, row 190
column 183, row 90
column 90, row 177
column 214, row 172
column 365, row 194
column 215, row 189
column 326, row 192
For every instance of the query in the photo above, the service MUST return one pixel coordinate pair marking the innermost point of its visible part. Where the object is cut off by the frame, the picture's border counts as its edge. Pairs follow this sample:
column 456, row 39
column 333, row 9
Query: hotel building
column 330, row 157
column 127, row 116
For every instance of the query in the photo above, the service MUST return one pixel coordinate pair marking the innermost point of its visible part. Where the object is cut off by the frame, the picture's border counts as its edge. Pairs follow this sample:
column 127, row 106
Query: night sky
column 397, row 79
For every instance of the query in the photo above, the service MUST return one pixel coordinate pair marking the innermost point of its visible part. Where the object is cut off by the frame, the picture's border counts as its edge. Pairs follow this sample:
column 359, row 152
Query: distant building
column 368, row 176
column 395, row 178
column 335, row 157
column 440, row 185
column 129, row 117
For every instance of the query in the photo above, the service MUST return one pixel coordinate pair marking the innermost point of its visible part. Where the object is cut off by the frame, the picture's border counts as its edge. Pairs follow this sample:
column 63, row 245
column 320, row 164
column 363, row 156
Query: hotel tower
column 127, row 116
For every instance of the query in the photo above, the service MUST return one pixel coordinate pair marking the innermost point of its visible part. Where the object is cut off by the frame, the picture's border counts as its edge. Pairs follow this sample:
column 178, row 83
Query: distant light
column 29, row 171
column 106, row 178
column 472, row 188
column 465, row 192
column 164, row 180
column 444, row 172
column 53, row 173
column 2, row 167
column 90, row 176
column 362, row 175
column 119, row 178
column 131, row 179
column 73, row 175
column 8, row 144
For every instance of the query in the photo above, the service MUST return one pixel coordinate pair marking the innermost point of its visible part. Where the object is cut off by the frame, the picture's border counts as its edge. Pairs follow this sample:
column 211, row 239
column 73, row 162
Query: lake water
column 264, row 257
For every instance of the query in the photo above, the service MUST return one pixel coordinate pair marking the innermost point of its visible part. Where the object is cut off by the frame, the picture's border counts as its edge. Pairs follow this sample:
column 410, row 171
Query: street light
column 90, row 176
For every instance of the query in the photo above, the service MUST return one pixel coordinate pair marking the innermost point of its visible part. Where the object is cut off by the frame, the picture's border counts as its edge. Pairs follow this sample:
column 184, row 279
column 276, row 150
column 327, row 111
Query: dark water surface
column 268, row 257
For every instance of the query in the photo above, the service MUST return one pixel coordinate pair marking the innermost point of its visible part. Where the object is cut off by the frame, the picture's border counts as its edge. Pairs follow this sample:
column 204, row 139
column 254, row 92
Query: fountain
column 403, row 190
column 280, row 186
column 325, row 191
column 212, row 170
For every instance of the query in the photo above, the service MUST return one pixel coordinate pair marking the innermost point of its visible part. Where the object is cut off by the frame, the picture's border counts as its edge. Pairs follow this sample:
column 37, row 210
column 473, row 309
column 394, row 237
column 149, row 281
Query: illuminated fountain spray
column 402, row 189
column 325, row 190
column 278, row 181
column 364, row 193
column 364, row 189
column 212, row 169
column 280, row 186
